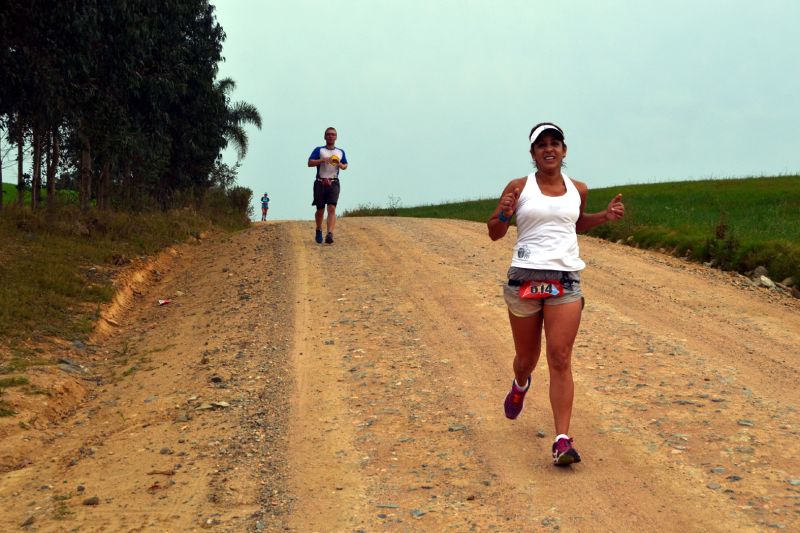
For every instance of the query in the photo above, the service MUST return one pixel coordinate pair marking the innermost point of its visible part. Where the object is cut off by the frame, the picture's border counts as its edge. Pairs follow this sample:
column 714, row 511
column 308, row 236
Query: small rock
column 457, row 427
column 718, row 470
column 28, row 521
column 94, row 500
column 794, row 482
column 766, row 282
column 734, row 478
column 745, row 422
column 713, row 486
column 541, row 434
column 416, row 513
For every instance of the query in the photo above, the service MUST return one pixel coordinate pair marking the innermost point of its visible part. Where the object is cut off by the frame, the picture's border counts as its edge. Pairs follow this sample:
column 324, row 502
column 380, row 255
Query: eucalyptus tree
column 198, row 112
column 123, row 91
column 12, row 64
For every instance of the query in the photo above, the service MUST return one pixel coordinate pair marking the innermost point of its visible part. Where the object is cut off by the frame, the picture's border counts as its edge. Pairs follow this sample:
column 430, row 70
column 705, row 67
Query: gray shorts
column 525, row 307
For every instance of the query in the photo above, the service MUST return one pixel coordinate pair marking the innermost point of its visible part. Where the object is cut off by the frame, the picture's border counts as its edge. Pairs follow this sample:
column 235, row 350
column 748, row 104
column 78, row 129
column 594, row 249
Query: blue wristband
column 502, row 217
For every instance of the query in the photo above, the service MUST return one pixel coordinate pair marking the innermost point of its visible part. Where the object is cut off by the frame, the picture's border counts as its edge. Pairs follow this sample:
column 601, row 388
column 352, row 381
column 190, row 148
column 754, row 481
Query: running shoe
column 329, row 238
column 515, row 399
column 318, row 236
column 564, row 454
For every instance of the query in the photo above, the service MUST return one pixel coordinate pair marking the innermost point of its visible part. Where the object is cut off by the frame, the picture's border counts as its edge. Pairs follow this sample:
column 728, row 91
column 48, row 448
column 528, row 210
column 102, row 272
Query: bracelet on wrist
column 502, row 217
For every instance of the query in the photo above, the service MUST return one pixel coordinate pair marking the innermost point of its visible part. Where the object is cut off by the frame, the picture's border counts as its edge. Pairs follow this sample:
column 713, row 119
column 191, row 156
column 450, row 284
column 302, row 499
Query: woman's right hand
column 508, row 202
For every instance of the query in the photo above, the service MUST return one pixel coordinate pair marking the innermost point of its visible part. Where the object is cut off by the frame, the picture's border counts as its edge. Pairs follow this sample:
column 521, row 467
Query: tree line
column 118, row 99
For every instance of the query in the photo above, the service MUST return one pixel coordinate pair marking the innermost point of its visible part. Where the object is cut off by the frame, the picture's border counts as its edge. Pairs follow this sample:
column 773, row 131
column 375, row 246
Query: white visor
column 541, row 129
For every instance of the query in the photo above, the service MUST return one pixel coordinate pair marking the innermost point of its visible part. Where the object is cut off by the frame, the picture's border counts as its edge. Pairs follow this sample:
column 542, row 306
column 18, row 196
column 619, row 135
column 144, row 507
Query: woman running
column 543, row 290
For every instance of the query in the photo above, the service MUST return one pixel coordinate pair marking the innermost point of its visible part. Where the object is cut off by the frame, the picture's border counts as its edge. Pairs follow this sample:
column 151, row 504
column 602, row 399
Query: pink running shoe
column 564, row 454
column 515, row 399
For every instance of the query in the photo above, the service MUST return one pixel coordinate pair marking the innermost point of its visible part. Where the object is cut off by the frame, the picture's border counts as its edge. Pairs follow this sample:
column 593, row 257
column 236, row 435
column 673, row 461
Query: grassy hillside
column 57, row 265
column 737, row 223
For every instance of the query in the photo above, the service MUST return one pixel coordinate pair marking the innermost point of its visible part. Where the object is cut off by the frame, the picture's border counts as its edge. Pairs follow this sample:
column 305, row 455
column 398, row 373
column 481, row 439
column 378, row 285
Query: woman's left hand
column 616, row 209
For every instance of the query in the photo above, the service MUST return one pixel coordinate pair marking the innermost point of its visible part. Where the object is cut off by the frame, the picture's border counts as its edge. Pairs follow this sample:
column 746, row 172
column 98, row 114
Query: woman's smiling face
column 548, row 151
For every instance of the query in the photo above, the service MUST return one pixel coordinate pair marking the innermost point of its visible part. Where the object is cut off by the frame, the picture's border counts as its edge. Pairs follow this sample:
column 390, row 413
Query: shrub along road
column 358, row 386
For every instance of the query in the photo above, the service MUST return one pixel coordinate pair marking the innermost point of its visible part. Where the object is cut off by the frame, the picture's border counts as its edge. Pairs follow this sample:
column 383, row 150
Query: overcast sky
column 433, row 99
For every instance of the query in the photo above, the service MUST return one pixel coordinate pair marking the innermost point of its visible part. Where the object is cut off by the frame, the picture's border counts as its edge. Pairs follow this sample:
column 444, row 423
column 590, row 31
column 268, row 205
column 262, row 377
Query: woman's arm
column 587, row 221
column 505, row 208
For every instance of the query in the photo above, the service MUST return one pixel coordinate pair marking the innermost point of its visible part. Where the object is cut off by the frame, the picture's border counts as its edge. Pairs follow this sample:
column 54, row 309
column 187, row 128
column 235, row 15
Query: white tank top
column 546, row 237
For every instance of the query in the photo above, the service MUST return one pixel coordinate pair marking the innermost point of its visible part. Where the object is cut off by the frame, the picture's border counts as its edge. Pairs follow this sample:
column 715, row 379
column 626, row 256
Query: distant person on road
column 543, row 290
column 329, row 160
column 264, row 207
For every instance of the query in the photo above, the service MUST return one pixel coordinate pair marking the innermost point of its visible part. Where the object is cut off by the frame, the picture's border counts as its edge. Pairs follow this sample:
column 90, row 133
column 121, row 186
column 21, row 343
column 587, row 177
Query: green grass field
column 738, row 223
column 10, row 195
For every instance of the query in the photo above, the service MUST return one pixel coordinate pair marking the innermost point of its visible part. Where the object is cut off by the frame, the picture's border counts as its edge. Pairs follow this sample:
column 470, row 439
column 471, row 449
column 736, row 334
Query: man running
column 329, row 160
column 264, row 207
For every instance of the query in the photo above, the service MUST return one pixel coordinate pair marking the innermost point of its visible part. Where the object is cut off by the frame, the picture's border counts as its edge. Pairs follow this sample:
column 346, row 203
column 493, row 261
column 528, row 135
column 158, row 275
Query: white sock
column 520, row 388
column 562, row 436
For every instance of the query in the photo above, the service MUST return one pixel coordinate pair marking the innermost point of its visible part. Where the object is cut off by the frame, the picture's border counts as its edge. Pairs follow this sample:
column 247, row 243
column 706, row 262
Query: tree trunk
column 102, row 186
column 36, row 182
column 52, row 165
column 85, row 194
column 2, row 191
column 137, row 187
column 20, row 175
column 126, row 183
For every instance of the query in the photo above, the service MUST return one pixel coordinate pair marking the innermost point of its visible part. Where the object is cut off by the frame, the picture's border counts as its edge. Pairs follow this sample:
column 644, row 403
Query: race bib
column 541, row 289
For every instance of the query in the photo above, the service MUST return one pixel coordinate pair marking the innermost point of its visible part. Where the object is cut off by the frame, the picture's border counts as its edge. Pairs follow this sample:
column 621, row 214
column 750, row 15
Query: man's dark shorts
column 325, row 195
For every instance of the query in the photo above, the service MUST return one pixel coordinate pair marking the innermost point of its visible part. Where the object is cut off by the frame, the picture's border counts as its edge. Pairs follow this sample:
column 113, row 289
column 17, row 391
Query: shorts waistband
column 332, row 179
column 566, row 280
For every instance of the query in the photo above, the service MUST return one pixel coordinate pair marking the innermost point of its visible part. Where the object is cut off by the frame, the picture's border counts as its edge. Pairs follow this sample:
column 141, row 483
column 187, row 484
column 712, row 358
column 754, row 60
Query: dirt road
column 291, row 386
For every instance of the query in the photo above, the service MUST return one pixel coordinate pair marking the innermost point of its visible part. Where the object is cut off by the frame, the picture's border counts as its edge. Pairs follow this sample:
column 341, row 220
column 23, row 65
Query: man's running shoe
column 563, row 452
column 329, row 238
column 515, row 399
column 318, row 236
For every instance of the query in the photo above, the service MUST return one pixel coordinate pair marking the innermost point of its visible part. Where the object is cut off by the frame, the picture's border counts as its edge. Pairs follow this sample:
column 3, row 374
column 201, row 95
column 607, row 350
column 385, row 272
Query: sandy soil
column 291, row 386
